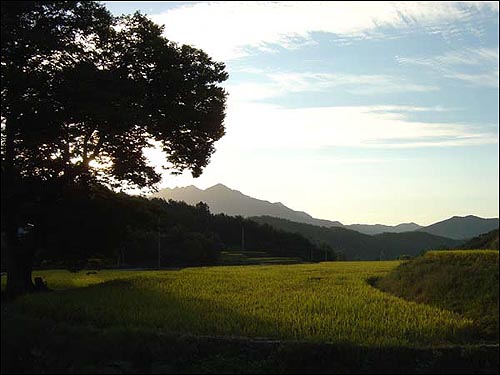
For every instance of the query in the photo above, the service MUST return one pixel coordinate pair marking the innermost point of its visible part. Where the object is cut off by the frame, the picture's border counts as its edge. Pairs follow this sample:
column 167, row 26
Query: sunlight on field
column 318, row 302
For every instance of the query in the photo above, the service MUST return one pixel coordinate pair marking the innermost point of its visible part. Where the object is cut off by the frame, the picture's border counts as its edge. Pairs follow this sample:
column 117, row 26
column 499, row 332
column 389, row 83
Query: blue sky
column 359, row 112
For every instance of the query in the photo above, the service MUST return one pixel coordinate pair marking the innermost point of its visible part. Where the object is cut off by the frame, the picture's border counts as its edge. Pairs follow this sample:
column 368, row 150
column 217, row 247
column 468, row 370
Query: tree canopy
column 79, row 85
column 83, row 93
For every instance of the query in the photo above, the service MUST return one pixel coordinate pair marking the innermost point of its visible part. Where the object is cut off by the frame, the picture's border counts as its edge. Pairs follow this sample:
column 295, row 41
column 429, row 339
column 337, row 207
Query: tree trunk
column 19, row 268
column 19, row 254
column 19, row 258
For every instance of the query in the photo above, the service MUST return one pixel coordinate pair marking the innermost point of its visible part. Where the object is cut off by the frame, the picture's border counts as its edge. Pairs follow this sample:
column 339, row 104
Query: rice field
column 325, row 302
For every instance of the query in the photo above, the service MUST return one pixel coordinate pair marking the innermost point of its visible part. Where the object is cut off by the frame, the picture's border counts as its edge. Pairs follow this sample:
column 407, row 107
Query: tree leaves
column 81, row 86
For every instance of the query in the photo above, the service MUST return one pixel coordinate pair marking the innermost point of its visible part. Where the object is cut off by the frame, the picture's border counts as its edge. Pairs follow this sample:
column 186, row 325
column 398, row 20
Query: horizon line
column 318, row 218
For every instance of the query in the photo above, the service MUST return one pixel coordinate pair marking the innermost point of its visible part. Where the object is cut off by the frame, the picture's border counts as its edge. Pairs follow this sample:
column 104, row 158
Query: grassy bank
column 464, row 281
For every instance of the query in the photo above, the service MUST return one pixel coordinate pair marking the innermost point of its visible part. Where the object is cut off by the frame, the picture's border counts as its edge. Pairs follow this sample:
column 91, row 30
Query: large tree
column 83, row 93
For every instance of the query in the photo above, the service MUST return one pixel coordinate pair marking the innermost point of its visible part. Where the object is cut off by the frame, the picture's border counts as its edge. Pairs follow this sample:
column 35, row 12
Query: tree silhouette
column 83, row 93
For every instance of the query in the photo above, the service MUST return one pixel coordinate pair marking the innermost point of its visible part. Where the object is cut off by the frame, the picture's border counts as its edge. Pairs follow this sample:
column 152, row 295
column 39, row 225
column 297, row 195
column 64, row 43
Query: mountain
column 379, row 228
column 487, row 241
column 461, row 227
column 222, row 199
column 354, row 245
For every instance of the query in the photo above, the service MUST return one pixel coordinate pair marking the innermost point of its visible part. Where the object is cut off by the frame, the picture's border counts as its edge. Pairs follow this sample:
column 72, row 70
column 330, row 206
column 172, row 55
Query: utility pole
column 159, row 244
column 242, row 237
column 121, row 258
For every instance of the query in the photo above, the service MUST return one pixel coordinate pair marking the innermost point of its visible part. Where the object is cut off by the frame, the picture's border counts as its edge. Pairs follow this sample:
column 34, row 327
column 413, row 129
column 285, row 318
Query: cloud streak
column 473, row 66
column 263, row 126
column 278, row 84
column 229, row 30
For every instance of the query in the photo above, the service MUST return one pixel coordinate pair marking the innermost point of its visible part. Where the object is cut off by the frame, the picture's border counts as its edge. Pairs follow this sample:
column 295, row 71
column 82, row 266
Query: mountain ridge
column 462, row 227
column 222, row 199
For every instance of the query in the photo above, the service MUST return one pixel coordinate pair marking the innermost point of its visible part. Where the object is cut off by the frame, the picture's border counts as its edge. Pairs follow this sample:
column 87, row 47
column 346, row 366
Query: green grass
column 326, row 302
column 464, row 281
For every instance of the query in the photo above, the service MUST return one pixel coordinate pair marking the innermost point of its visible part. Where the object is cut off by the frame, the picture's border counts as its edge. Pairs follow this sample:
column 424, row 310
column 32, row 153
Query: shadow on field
column 39, row 346
column 97, row 330
column 141, row 304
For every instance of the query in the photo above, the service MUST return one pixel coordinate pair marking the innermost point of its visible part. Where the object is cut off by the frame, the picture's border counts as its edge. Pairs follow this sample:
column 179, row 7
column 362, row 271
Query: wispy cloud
column 228, row 30
column 489, row 79
column 360, row 84
column 473, row 66
column 263, row 126
column 277, row 84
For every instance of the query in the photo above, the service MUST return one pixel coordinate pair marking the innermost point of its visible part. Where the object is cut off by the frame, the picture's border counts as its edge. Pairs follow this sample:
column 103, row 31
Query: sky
column 361, row 112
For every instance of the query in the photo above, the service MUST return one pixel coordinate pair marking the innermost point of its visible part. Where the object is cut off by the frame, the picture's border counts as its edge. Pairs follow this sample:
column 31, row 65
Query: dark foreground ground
column 40, row 346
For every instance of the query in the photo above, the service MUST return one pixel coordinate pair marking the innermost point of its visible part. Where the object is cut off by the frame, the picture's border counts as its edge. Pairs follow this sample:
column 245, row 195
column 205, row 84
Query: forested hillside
column 353, row 245
column 110, row 229
column 484, row 241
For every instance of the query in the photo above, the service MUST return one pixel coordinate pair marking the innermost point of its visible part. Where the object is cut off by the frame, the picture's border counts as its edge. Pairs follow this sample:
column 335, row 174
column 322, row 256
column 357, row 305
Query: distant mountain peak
column 189, row 187
column 461, row 227
column 218, row 187
column 466, row 217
